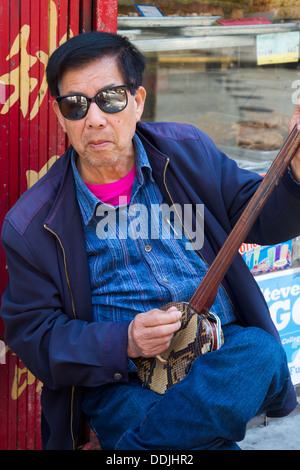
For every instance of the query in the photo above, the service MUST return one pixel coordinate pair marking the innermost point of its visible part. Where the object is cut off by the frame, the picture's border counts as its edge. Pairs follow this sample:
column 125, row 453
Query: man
column 84, row 298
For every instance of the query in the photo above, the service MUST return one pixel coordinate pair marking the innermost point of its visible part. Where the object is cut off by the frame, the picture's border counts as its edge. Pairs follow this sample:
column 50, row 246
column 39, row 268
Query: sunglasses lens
column 73, row 107
column 112, row 100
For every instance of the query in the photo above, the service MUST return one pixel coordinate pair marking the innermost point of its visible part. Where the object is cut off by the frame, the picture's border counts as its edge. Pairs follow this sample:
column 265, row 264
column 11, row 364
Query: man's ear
column 59, row 115
column 140, row 97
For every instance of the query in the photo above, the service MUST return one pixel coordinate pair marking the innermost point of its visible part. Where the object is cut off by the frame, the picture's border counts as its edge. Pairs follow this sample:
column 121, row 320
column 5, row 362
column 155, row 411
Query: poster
column 264, row 259
column 281, row 291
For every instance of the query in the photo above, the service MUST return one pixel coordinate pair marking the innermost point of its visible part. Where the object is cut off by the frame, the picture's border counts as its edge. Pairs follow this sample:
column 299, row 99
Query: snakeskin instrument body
column 198, row 334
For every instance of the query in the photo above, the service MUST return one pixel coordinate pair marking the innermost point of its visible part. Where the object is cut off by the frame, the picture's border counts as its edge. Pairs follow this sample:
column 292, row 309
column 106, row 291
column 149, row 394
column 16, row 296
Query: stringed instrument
column 200, row 330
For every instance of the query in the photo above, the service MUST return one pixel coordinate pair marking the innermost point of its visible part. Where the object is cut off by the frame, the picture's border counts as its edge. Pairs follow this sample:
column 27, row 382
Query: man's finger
column 158, row 317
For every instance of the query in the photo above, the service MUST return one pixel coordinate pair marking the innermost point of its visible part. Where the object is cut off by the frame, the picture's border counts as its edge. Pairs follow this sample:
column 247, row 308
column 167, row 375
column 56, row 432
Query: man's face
column 103, row 141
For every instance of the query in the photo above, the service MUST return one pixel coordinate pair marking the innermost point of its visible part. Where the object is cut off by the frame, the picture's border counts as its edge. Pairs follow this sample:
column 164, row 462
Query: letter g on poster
column 282, row 294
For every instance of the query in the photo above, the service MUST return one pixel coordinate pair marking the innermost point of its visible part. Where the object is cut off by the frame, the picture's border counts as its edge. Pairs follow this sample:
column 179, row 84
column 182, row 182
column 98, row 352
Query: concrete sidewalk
column 279, row 434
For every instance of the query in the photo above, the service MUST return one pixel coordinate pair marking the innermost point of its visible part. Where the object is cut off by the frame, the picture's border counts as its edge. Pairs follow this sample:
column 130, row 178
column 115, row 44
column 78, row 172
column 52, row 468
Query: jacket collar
column 64, row 221
column 158, row 160
column 63, row 209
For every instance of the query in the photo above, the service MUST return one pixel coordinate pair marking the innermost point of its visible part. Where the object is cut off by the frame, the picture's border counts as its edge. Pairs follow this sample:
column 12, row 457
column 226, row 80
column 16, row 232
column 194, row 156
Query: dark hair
column 88, row 47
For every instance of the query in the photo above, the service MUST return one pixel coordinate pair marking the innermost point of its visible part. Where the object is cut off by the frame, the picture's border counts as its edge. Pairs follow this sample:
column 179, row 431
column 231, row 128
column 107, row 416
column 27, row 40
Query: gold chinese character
column 29, row 379
column 33, row 176
column 27, row 61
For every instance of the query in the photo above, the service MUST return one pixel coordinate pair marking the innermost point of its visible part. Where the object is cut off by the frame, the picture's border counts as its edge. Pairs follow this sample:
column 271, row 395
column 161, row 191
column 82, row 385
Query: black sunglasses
column 110, row 100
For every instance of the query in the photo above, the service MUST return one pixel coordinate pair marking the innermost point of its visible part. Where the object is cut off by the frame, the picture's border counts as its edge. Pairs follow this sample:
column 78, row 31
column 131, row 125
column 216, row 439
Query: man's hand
column 295, row 164
column 150, row 333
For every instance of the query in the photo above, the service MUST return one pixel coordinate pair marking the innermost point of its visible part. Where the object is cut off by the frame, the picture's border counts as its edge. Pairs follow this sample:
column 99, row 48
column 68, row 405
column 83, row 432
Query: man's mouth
column 98, row 144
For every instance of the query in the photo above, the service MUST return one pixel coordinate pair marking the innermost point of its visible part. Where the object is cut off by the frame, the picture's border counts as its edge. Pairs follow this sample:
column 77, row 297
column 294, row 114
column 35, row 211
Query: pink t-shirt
column 110, row 192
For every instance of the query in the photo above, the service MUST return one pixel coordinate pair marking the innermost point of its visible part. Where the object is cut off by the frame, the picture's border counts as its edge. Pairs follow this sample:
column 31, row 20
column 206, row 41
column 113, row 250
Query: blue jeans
column 208, row 409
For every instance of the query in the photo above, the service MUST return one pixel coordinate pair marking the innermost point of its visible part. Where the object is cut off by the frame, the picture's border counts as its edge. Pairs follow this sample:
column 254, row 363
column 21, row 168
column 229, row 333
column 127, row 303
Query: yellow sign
column 278, row 48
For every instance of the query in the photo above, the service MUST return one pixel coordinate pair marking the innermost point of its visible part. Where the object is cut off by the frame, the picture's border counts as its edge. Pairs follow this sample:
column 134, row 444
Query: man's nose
column 95, row 116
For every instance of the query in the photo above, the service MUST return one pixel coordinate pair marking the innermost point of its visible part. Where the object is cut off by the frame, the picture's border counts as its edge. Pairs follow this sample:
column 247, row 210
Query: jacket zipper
column 187, row 232
column 75, row 316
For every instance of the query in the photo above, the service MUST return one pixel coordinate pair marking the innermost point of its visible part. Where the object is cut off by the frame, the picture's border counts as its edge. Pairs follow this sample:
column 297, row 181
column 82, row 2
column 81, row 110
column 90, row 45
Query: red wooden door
column 30, row 142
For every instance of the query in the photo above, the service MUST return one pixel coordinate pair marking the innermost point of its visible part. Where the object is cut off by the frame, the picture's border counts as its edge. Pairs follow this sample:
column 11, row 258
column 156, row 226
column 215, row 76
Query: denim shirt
column 132, row 269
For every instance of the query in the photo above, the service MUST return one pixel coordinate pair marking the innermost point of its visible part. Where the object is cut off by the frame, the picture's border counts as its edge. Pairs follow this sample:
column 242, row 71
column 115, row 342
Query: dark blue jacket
column 47, row 304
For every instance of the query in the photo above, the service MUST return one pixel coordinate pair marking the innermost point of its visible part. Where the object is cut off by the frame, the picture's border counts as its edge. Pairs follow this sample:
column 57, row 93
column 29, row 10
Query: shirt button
column 148, row 248
column 118, row 376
